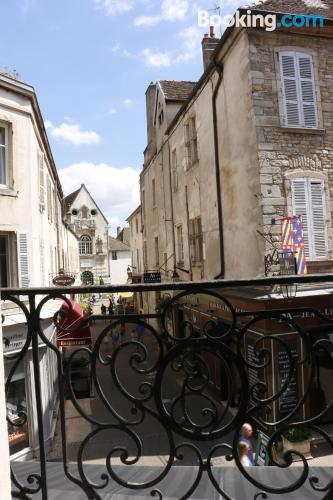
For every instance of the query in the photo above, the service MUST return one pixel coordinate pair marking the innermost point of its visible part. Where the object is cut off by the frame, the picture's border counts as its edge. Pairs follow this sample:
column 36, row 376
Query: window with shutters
column 157, row 252
column 145, row 255
column 180, row 245
column 308, row 200
column 196, row 240
column 41, row 180
column 4, row 155
column 49, row 203
column 42, row 263
column 174, row 170
column 191, row 143
column 298, row 90
column 23, row 260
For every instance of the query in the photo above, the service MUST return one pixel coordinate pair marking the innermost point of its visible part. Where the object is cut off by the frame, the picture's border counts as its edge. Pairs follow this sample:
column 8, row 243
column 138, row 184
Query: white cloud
column 111, row 111
column 156, row 59
column 171, row 10
column 188, row 50
column 116, row 191
column 72, row 133
column 128, row 103
column 26, row 5
column 113, row 7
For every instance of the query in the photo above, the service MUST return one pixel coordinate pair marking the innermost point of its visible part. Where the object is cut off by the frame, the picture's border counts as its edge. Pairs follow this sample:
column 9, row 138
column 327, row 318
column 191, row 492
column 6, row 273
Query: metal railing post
column 5, row 485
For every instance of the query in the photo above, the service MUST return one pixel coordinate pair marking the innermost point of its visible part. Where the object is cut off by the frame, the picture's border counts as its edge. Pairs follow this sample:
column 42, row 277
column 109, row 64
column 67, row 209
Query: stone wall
column 283, row 151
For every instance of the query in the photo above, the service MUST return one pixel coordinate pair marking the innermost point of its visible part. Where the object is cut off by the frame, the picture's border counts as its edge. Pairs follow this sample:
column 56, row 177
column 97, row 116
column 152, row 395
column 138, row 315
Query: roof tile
column 176, row 90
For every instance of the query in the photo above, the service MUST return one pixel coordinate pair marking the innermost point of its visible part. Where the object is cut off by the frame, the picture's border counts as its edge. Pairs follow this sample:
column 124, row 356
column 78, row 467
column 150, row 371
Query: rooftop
column 176, row 90
column 322, row 7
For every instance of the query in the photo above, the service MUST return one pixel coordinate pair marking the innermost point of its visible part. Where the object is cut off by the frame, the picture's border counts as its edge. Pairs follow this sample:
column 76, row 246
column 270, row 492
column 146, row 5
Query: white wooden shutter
column 307, row 90
column 318, row 218
column 42, row 262
column 23, row 260
column 289, row 75
column 41, row 180
column 300, row 207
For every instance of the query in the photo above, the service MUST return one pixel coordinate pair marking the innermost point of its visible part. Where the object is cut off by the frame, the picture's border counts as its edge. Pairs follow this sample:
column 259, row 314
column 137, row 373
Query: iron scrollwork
column 190, row 379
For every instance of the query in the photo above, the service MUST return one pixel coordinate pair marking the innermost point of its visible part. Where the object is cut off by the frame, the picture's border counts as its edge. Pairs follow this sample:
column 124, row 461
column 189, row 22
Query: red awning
column 79, row 336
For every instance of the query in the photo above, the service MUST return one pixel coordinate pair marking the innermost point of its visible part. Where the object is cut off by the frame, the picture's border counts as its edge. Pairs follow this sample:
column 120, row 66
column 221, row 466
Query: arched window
column 87, row 278
column 85, row 245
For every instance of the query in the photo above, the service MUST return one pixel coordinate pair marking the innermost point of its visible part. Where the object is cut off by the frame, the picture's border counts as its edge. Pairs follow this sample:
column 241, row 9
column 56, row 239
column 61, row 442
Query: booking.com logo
column 268, row 21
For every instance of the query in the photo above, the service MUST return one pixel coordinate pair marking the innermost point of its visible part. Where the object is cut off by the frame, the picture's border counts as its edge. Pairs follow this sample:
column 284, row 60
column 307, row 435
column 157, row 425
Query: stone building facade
column 249, row 143
column 91, row 227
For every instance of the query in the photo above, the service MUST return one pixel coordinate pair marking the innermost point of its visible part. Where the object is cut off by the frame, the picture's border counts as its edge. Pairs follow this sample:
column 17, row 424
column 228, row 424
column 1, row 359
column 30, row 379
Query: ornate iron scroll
column 189, row 381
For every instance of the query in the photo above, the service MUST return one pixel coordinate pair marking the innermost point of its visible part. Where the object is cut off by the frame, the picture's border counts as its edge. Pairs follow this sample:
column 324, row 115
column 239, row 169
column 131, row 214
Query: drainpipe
column 219, row 70
column 172, row 209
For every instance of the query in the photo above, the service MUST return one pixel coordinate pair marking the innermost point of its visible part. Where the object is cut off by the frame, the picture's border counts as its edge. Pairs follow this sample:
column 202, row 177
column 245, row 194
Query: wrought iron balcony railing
column 178, row 382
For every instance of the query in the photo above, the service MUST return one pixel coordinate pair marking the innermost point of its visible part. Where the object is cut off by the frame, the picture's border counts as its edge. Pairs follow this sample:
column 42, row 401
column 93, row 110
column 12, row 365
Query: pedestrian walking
column 245, row 437
column 122, row 332
column 243, row 450
column 103, row 309
column 139, row 330
column 110, row 308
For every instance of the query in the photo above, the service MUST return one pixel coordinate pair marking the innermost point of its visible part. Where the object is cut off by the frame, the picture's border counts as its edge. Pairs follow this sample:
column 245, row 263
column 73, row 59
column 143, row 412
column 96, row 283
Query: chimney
column 118, row 230
column 209, row 44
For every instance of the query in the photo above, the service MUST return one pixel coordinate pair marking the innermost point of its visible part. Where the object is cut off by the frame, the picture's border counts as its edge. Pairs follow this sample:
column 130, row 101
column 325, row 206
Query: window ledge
column 303, row 130
column 7, row 191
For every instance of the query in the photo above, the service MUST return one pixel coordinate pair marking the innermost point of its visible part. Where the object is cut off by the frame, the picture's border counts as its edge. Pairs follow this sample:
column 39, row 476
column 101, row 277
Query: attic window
column 74, row 211
column 93, row 212
column 161, row 118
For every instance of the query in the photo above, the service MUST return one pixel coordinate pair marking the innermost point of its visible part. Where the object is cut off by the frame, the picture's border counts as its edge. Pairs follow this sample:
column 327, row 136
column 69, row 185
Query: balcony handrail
column 189, row 346
column 190, row 286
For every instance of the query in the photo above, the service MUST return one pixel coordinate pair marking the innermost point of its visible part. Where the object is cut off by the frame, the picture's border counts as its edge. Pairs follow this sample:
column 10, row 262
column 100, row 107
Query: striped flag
column 293, row 241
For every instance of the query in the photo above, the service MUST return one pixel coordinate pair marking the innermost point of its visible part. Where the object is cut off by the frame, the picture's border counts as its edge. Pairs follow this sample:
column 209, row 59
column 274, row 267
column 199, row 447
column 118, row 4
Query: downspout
column 219, row 70
column 172, row 210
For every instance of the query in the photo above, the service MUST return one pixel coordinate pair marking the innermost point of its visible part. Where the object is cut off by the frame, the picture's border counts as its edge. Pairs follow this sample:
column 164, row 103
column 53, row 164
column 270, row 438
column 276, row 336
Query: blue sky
column 90, row 62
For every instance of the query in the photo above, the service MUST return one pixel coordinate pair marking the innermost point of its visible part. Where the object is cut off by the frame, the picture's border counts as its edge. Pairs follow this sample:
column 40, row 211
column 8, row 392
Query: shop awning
column 79, row 335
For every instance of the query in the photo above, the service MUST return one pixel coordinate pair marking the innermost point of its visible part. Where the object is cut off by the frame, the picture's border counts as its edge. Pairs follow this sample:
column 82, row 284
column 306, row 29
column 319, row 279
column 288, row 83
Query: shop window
column 114, row 255
column 16, row 404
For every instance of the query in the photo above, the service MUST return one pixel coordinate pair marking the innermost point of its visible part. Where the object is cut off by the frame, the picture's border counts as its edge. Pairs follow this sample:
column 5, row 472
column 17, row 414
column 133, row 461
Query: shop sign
column 136, row 279
column 287, row 264
column 63, row 279
column 261, row 455
column 154, row 277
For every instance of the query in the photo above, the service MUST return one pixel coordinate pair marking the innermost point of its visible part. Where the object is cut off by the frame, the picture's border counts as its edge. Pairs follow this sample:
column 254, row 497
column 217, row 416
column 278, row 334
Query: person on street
column 139, row 330
column 122, row 332
column 110, row 308
column 243, row 450
column 245, row 437
column 103, row 309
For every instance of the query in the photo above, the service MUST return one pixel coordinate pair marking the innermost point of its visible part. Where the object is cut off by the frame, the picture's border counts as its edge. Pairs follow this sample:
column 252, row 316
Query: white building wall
column 20, row 201
column 118, row 268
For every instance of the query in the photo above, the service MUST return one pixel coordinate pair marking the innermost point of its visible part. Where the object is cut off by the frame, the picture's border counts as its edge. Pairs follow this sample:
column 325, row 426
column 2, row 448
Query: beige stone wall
column 242, row 216
column 285, row 152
